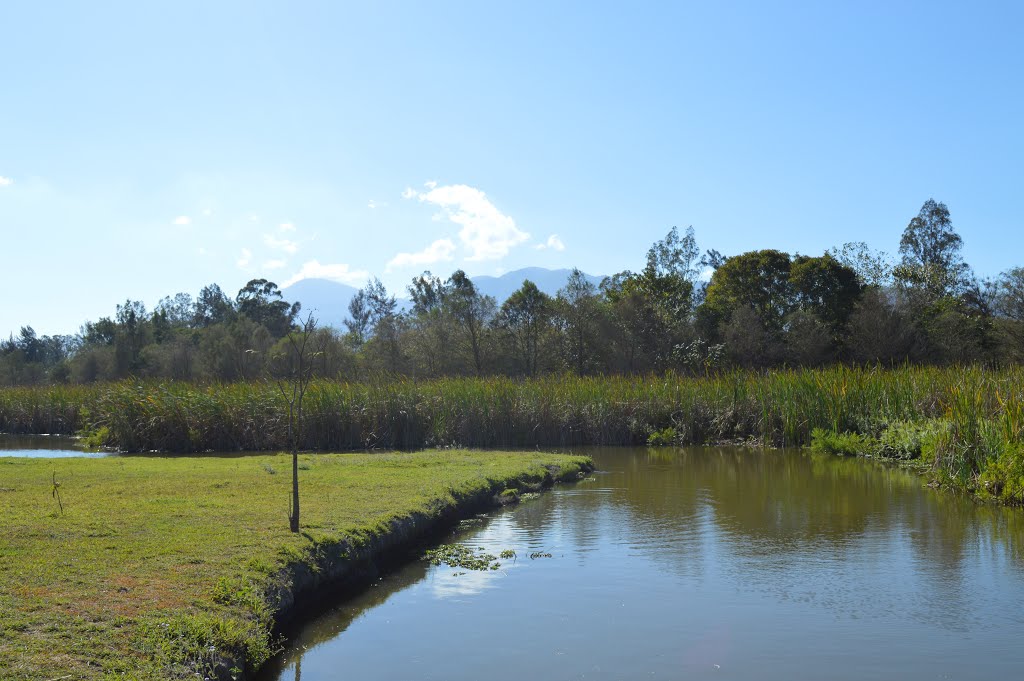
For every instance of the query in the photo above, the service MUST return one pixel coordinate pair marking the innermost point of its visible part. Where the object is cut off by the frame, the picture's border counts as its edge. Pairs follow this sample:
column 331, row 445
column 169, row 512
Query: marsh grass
column 159, row 567
column 981, row 411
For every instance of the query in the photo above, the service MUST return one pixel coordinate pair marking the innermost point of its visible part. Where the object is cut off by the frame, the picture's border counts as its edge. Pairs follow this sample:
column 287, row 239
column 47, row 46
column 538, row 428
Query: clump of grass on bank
column 841, row 444
column 162, row 567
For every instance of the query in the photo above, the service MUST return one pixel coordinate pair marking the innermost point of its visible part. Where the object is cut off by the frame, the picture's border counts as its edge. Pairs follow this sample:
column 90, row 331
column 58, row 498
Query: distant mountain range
column 328, row 300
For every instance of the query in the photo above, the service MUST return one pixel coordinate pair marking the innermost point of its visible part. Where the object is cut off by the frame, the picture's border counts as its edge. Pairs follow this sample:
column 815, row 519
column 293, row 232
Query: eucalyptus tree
column 472, row 313
column 387, row 326
column 133, row 331
column 212, row 307
column 579, row 311
column 430, row 326
column 261, row 301
column 1008, row 303
column 652, row 307
column 360, row 318
column 873, row 268
column 932, row 263
column 523, row 318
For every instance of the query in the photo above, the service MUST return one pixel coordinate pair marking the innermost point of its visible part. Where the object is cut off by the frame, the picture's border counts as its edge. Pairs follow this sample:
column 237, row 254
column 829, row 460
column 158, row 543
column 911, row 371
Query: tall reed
column 776, row 407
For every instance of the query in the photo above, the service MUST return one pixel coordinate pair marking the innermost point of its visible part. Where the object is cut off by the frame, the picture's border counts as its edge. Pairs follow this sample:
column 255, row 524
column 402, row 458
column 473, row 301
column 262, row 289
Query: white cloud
column 553, row 242
column 274, row 264
column 286, row 226
column 183, row 220
column 337, row 272
column 440, row 250
column 409, row 193
column 285, row 245
column 5, row 181
column 376, row 204
column 486, row 233
column 243, row 260
column 430, row 185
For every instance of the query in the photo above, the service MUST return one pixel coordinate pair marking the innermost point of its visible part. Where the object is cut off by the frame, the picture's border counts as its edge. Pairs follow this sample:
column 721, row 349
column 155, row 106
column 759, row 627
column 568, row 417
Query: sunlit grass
column 159, row 565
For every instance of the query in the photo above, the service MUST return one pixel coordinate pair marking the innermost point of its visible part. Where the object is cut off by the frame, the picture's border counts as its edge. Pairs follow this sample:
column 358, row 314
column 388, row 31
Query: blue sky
column 151, row 148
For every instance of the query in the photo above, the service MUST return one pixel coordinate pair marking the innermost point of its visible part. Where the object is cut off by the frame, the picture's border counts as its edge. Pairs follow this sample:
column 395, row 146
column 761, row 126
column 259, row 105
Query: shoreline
column 343, row 566
column 165, row 567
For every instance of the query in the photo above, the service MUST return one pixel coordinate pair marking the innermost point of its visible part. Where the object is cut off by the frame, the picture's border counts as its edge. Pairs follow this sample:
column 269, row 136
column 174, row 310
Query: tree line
column 758, row 309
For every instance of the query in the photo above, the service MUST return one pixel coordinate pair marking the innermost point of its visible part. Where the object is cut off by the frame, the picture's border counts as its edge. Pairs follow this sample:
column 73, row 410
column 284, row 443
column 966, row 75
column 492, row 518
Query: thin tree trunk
column 294, row 520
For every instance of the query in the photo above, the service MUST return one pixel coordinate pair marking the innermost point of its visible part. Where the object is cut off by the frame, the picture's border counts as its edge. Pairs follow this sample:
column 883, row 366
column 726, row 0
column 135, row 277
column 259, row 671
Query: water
column 42, row 447
column 701, row 564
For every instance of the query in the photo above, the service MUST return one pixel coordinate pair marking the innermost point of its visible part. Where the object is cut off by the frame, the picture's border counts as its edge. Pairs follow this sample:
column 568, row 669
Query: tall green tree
column 758, row 280
column 651, row 308
column 262, row 302
column 873, row 268
column 523, row 319
column 132, row 333
column 579, row 310
column 360, row 318
column 385, row 347
column 472, row 313
column 429, row 336
column 825, row 287
column 932, row 262
column 212, row 307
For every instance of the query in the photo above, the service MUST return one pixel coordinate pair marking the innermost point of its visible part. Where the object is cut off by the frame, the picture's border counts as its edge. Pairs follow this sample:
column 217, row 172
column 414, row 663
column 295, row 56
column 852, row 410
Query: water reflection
column 702, row 563
column 42, row 447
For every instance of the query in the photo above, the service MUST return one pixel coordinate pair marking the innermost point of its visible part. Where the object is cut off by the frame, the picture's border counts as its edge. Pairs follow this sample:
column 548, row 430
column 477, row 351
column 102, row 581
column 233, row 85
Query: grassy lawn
column 160, row 565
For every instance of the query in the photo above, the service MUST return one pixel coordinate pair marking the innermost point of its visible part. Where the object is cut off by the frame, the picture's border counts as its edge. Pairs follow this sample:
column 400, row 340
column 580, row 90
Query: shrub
column 906, row 439
column 842, row 444
column 1003, row 476
column 663, row 438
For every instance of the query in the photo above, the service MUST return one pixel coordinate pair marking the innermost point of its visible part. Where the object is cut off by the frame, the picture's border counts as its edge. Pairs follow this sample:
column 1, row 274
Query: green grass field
column 159, row 566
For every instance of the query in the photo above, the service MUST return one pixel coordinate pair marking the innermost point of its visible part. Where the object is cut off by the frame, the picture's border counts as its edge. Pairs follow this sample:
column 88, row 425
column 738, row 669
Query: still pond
column 700, row 563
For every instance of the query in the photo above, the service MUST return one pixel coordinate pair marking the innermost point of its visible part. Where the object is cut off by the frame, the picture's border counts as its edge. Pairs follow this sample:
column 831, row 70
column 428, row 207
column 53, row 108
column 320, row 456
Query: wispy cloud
column 376, row 204
column 286, row 226
column 487, row 233
column 439, row 251
column 274, row 264
column 553, row 243
column 5, row 181
column 183, row 220
column 243, row 260
column 409, row 193
column 337, row 272
column 286, row 245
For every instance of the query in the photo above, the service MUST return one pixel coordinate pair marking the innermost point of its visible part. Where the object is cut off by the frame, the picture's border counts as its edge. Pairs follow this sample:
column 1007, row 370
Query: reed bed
column 984, row 409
